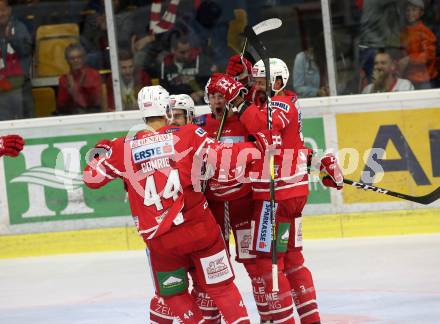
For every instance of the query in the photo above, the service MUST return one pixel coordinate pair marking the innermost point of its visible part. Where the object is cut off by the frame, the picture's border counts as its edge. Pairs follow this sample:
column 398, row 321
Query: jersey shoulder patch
column 294, row 98
column 200, row 120
column 172, row 130
column 200, row 132
column 280, row 105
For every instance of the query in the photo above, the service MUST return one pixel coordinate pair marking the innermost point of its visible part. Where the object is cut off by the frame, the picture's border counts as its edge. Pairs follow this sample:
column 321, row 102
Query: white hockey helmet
column 154, row 101
column 277, row 69
column 184, row 102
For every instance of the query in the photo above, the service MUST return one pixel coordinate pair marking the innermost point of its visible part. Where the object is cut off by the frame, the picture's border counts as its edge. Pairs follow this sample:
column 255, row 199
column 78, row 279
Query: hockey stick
column 264, row 26
column 251, row 35
column 424, row 200
column 259, row 28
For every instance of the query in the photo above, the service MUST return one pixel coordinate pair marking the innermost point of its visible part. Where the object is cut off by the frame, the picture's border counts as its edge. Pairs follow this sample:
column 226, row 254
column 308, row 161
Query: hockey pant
column 236, row 215
column 294, row 280
column 197, row 245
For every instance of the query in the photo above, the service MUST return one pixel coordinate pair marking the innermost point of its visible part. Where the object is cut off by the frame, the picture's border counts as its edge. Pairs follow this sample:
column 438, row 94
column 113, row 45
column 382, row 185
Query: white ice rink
column 367, row 280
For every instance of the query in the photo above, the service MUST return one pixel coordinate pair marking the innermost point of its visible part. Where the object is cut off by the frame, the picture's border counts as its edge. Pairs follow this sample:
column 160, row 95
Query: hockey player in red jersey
column 183, row 113
column 159, row 166
column 11, row 145
column 291, row 190
column 231, row 201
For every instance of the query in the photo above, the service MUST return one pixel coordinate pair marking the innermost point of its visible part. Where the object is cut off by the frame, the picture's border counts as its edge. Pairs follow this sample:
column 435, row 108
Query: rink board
column 41, row 190
column 317, row 227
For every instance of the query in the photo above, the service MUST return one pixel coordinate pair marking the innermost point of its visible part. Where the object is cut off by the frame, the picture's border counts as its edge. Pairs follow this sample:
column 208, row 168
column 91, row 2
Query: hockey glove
column 227, row 86
column 239, row 68
column 266, row 140
column 11, row 145
column 330, row 172
column 101, row 149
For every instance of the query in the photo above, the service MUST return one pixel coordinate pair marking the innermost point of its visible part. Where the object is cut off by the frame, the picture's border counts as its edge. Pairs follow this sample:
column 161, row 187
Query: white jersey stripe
column 226, row 192
column 240, row 319
column 101, row 170
column 284, row 124
column 208, row 308
column 284, row 116
column 275, row 311
column 281, row 187
column 285, row 179
column 306, row 303
column 309, row 313
column 212, row 317
column 161, row 315
column 283, row 319
column 111, row 167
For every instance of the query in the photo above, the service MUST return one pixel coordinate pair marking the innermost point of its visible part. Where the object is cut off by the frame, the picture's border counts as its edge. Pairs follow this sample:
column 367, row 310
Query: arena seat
column 45, row 102
column 51, row 40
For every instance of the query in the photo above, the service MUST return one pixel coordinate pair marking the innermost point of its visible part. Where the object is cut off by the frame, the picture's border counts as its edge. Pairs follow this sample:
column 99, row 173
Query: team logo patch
column 201, row 132
column 172, row 130
column 172, row 282
column 244, row 244
column 294, row 99
column 216, row 268
column 283, row 236
column 200, row 120
column 298, row 232
column 153, row 147
column 232, row 139
column 281, row 105
column 264, row 236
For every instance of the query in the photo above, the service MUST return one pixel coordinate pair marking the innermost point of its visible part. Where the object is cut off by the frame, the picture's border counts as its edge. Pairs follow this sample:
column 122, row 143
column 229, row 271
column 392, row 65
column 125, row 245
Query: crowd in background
column 379, row 46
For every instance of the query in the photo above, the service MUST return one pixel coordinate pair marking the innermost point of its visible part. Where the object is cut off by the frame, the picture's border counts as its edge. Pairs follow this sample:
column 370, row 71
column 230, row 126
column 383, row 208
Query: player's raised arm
column 100, row 169
column 253, row 115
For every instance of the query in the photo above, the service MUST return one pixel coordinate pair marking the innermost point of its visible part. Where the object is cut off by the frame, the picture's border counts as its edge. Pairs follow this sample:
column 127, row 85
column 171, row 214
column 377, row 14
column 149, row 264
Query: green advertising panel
column 45, row 182
column 313, row 131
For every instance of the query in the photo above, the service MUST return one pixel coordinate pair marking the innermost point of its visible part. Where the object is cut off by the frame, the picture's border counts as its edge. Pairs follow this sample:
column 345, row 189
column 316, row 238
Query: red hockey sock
column 210, row 312
column 303, row 291
column 258, row 290
column 228, row 300
column 184, row 307
column 160, row 313
column 280, row 303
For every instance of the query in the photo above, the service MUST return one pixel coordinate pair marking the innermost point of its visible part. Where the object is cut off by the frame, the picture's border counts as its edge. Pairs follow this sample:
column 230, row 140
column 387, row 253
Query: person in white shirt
column 385, row 76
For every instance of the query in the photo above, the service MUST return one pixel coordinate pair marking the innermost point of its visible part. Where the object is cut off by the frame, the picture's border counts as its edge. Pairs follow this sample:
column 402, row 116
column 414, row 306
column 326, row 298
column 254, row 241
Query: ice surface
column 368, row 280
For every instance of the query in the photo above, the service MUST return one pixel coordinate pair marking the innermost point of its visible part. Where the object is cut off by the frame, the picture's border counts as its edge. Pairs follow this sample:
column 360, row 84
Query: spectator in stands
column 150, row 38
column 436, row 31
column 419, row 64
column 207, row 29
column 15, row 58
column 384, row 76
column 79, row 91
column 132, row 81
column 183, row 71
column 309, row 72
column 380, row 28
column 94, row 34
